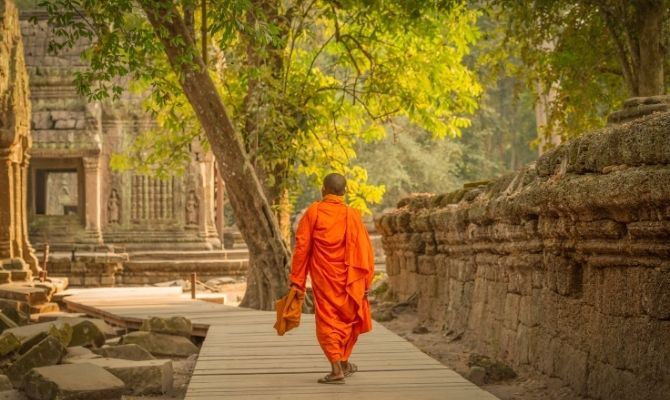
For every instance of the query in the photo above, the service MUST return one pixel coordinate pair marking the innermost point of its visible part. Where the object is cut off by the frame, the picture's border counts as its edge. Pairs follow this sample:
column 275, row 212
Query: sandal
column 328, row 379
column 352, row 369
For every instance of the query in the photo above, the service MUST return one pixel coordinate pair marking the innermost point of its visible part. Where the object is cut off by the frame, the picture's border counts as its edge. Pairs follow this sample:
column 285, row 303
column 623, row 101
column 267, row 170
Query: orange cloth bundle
column 289, row 309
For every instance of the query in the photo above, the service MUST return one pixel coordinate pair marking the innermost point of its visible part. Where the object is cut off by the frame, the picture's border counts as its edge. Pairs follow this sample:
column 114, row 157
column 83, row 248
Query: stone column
column 92, row 197
column 17, row 217
column 220, row 189
column 6, row 206
column 205, row 188
column 28, row 251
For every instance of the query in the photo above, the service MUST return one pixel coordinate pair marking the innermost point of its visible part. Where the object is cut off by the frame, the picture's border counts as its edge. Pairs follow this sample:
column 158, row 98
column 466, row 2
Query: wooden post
column 193, row 283
column 45, row 261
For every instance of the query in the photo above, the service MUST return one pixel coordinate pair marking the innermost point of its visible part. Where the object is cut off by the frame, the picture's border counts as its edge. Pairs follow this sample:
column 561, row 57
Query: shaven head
column 334, row 184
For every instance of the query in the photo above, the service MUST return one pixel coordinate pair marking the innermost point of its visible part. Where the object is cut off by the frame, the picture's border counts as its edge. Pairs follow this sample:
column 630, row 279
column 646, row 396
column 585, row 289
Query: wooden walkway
column 243, row 358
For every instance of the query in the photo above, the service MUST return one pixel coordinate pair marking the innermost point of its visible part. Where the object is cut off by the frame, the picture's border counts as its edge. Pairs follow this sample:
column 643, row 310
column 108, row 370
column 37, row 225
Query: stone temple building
column 111, row 226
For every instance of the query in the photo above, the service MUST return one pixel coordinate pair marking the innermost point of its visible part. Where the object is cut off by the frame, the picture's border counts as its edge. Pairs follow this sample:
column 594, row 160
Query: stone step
column 31, row 295
column 150, row 272
column 5, row 277
column 166, row 244
column 21, row 275
column 44, row 308
column 221, row 267
column 213, row 255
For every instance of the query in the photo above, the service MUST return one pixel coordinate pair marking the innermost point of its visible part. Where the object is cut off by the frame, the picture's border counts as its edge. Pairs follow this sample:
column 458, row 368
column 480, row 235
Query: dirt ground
column 527, row 385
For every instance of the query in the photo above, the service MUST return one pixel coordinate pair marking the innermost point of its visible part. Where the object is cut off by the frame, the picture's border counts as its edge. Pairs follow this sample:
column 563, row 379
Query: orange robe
column 333, row 246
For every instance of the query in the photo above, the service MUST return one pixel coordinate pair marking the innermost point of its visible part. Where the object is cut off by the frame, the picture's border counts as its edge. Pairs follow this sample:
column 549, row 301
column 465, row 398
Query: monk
column 333, row 246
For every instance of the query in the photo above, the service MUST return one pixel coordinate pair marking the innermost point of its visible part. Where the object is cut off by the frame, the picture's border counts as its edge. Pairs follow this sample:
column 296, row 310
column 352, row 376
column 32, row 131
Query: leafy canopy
column 580, row 50
column 304, row 81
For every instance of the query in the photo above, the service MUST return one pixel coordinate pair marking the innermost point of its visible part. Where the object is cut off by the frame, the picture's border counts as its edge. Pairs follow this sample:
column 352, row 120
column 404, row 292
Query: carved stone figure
column 114, row 207
column 192, row 209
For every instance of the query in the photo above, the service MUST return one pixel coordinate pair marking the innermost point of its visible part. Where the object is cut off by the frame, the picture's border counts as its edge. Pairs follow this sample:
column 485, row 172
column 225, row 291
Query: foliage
column 497, row 142
column 569, row 47
column 305, row 80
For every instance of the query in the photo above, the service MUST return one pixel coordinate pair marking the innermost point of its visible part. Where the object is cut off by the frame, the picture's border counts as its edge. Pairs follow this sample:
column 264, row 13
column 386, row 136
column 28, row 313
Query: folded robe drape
column 333, row 246
column 289, row 310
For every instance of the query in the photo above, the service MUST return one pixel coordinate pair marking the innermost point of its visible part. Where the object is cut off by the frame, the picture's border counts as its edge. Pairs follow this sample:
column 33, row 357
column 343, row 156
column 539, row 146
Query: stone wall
column 562, row 267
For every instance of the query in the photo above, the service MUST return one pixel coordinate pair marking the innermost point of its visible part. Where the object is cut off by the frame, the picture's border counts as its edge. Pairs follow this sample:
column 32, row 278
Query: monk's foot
column 350, row 369
column 332, row 379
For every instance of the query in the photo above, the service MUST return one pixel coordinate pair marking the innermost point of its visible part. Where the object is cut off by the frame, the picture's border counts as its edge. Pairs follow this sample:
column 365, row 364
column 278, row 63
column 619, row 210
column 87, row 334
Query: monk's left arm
column 301, row 252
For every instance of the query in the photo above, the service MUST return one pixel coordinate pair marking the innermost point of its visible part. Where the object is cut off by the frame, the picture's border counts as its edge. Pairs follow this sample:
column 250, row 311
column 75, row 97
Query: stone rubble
column 160, row 344
column 68, row 358
column 140, row 377
column 124, row 352
column 179, row 326
column 47, row 352
column 73, row 381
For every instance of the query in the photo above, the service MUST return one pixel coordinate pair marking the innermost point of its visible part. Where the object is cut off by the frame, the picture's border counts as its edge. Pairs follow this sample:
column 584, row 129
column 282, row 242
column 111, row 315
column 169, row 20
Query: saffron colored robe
column 333, row 246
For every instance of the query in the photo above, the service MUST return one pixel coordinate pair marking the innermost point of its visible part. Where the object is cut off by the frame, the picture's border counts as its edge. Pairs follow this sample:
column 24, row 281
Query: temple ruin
column 17, row 257
column 107, row 227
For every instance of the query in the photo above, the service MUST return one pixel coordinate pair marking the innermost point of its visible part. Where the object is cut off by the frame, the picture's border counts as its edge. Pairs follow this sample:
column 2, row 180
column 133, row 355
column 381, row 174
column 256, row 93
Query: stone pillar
column 28, row 251
column 92, row 197
column 220, row 217
column 6, row 206
column 206, row 224
column 17, row 246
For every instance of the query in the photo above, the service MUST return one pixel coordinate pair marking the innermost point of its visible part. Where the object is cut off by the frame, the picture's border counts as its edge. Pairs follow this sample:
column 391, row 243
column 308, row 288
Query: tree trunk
column 649, row 18
column 282, row 207
column 269, row 256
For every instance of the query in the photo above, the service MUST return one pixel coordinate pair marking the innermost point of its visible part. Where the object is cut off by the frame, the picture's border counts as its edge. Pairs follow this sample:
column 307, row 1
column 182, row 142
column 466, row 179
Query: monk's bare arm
column 303, row 244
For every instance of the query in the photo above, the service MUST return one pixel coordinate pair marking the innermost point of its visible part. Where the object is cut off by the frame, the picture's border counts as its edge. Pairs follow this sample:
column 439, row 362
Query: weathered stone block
column 86, row 333
column 528, row 315
column 73, row 382
column 79, row 352
column 125, row 352
column 42, row 120
column 36, row 332
column 140, row 377
column 29, row 342
column 8, row 343
column 572, row 367
column 18, row 317
column 47, row 352
column 171, row 326
column 655, row 288
column 28, row 295
column 6, row 322
column 160, row 344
